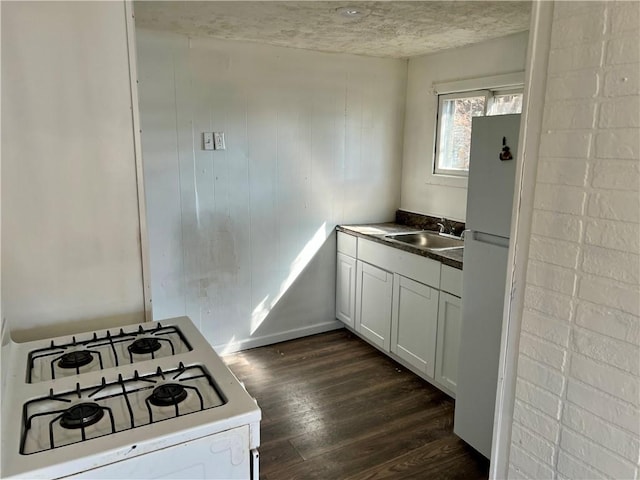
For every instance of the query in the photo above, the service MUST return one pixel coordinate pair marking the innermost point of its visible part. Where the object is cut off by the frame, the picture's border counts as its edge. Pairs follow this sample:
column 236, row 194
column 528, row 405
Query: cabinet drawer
column 451, row 280
column 420, row 269
column 347, row 244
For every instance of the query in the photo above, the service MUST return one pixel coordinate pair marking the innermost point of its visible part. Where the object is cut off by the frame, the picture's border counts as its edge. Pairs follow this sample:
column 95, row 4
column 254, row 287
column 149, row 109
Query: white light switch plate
column 207, row 141
column 218, row 141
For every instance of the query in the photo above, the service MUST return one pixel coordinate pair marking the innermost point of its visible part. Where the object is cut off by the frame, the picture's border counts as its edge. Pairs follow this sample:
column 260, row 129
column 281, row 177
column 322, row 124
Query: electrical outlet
column 218, row 141
column 207, row 141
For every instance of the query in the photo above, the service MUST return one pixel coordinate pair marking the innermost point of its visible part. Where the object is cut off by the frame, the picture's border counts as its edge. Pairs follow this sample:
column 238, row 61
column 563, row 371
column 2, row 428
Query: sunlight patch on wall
column 229, row 347
column 263, row 308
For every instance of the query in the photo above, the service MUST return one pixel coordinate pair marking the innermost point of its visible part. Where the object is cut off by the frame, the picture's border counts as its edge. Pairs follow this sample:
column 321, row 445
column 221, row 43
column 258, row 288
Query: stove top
column 63, row 418
column 96, row 352
column 77, row 402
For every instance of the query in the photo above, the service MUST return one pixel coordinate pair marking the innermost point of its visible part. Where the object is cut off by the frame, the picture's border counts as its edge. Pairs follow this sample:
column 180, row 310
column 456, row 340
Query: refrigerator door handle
column 490, row 239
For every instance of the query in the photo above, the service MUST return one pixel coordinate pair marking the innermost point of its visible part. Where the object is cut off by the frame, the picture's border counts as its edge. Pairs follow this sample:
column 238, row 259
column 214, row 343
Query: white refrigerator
column 488, row 223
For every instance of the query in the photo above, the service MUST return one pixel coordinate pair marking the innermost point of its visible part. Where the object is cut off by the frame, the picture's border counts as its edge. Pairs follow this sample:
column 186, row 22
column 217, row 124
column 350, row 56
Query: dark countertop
column 376, row 232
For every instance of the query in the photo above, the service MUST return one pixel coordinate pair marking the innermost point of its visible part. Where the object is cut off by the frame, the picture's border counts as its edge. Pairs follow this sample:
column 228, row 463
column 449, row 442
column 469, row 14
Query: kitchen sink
column 428, row 240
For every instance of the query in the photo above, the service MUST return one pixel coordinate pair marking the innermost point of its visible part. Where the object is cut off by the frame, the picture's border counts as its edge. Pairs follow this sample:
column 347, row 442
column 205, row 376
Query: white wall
column 70, row 230
column 422, row 191
column 241, row 240
column 578, row 387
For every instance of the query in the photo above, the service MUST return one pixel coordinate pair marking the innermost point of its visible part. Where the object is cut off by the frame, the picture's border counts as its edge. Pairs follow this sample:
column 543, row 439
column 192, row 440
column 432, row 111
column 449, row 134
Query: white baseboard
column 277, row 337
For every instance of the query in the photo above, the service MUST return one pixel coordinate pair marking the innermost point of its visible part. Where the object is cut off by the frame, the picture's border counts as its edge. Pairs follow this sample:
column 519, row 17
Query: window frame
column 499, row 92
column 489, row 94
column 441, row 100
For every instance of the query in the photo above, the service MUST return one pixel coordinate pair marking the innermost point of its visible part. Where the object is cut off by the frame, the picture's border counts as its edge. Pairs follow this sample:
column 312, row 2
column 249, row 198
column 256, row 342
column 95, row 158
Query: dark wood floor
column 335, row 408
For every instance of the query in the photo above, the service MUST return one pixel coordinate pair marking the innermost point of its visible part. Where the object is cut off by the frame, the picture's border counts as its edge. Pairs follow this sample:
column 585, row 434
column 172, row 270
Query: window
column 455, row 111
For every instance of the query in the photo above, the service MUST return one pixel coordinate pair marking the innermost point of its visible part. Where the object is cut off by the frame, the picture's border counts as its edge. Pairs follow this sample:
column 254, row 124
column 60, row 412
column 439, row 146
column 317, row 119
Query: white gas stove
column 145, row 401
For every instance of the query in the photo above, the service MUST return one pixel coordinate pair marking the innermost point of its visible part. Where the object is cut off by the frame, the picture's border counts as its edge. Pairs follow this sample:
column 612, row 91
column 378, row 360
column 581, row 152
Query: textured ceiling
column 386, row 29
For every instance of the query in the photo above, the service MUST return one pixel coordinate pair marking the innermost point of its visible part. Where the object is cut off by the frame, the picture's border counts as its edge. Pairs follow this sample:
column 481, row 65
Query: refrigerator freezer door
column 483, row 284
column 491, row 180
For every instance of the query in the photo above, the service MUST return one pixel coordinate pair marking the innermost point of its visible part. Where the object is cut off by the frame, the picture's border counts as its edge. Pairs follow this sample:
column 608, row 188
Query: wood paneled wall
column 241, row 240
column 71, row 257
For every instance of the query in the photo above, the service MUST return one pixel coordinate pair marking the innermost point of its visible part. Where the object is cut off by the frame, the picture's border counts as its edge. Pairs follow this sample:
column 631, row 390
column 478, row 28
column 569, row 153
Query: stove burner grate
column 75, row 359
column 140, row 341
column 114, row 406
column 81, row 415
column 145, row 345
column 167, row 395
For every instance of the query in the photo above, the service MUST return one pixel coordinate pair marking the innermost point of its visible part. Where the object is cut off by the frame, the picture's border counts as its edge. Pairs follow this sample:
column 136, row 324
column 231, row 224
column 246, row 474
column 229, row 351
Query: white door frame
column 530, row 129
column 526, row 170
column 135, row 116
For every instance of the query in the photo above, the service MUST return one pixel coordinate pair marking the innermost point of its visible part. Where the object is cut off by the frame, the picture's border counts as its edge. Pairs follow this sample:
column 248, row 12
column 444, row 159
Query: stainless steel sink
column 428, row 240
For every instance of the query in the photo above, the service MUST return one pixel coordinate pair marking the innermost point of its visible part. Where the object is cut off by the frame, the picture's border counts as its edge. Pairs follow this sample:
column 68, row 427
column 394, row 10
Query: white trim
column 530, row 129
column 226, row 348
column 508, row 90
column 4, row 324
column 135, row 115
column 482, row 83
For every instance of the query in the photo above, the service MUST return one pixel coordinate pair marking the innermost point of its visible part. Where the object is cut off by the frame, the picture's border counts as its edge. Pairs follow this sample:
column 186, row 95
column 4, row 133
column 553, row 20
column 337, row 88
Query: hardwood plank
column 359, row 455
column 350, row 415
column 368, row 380
column 444, row 458
column 275, row 369
column 335, row 408
column 276, row 453
column 349, row 432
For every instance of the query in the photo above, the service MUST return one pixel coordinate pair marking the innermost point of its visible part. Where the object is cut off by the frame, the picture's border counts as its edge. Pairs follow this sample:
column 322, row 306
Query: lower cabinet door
column 449, row 320
column 346, row 289
column 414, row 324
column 373, row 304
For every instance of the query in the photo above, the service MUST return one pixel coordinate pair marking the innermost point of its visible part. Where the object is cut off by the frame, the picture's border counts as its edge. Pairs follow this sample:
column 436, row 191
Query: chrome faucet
column 446, row 226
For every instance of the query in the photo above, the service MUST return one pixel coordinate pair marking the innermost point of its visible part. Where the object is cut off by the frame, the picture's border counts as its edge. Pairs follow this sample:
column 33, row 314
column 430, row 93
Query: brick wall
column 577, row 396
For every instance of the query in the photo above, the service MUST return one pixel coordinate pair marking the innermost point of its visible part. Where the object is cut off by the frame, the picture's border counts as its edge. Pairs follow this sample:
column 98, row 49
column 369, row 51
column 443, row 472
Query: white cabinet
column 347, row 244
column 448, row 344
column 414, row 323
column 449, row 322
column 373, row 304
column 405, row 304
column 346, row 279
column 346, row 289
